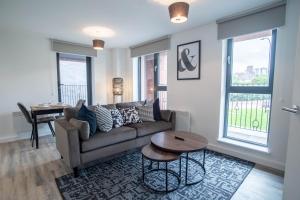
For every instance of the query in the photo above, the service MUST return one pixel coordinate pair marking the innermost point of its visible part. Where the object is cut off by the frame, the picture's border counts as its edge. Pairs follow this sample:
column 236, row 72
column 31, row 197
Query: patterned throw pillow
column 130, row 116
column 104, row 119
column 117, row 118
column 146, row 113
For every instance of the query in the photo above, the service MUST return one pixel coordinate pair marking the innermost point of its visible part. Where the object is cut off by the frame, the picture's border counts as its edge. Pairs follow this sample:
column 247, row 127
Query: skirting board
column 22, row 136
column 264, row 162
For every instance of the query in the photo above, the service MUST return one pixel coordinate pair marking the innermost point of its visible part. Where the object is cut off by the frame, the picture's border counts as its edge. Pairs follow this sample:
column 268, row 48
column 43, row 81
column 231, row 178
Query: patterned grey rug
column 120, row 178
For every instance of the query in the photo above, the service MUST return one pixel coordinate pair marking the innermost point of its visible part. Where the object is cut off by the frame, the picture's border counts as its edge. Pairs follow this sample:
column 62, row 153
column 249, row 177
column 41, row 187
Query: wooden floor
column 29, row 173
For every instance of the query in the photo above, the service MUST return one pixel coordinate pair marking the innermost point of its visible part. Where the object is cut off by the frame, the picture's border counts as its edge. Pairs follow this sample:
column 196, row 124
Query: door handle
column 295, row 109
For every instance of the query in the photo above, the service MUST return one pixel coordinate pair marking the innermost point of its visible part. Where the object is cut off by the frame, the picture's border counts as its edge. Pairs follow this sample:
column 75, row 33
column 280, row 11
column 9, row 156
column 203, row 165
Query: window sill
column 244, row 145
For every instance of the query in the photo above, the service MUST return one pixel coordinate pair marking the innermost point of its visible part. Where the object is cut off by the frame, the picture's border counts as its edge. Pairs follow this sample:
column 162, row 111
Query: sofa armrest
column 67, row 142
column 169, row 116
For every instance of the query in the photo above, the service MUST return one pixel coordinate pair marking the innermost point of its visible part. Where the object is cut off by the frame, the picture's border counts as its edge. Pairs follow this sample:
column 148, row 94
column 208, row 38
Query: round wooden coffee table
column 152, row 153
column 182, row 142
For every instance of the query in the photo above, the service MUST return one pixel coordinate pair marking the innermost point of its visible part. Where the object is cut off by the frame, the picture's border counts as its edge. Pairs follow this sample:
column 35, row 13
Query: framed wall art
column 189, row 60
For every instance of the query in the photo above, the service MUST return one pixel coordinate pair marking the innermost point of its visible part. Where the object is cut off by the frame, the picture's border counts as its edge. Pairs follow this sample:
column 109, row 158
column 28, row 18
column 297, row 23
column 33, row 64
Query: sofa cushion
column 156, row 110
column 166, row 115
column 109, row 106
column 147, row 128
column 129, row 104
column 146, row 113
column 130, row 116
column 104, row 119
column 103, row 139
column 85, row 114
column 117, row 118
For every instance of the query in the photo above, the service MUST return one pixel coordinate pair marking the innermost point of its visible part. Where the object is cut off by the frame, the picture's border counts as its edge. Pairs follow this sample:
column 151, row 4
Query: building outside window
column 150, row 78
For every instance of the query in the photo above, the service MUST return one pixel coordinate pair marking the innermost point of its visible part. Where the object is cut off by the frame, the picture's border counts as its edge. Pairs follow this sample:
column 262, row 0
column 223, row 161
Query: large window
column 74, row 78
column 151, row 75
column 249, row 86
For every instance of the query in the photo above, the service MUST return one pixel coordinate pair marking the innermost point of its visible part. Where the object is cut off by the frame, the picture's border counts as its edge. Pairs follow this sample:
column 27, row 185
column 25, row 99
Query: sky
column 253, row 52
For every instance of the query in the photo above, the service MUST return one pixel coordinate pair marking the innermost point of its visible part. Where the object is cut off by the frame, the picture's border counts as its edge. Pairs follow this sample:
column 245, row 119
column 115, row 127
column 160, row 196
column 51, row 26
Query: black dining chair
column 40, row 120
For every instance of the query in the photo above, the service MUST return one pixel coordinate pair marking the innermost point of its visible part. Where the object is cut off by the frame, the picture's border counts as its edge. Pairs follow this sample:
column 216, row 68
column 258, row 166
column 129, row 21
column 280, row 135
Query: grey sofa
column 77, row 149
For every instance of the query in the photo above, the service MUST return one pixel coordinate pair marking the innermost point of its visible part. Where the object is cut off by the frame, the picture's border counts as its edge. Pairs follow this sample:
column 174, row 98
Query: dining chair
column 40, row 120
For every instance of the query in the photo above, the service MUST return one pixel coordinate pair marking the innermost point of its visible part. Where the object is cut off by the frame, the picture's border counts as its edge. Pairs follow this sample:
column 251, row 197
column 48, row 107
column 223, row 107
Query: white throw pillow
column 104, row 119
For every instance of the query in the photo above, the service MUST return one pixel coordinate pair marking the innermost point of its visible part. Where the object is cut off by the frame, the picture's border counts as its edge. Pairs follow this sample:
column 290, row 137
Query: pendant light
column 98, row 44
column 179, row 12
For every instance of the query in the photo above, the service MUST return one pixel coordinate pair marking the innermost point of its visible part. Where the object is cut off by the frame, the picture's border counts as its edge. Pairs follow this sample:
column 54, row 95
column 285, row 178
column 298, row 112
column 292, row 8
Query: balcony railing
column 249, row 111
column 70, row 94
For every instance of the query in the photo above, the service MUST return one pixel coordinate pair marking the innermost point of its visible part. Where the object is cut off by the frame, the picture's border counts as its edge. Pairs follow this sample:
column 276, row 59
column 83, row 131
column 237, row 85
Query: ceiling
column 133, row 21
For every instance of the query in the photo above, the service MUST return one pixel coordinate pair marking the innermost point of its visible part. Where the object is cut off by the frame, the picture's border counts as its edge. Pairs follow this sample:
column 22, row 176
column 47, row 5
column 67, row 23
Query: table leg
column 143, row 175
column 36, row 131
column 186, row 167
column 204, row 152
column 166, row 176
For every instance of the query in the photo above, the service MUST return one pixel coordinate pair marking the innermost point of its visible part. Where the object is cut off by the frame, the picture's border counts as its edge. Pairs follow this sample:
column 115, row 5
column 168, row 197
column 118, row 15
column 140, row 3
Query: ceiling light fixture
column 98, row 31
column 98, row 44
column 179, row 12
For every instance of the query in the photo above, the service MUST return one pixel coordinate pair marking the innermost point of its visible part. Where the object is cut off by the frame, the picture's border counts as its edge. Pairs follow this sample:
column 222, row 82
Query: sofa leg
column 76, row 172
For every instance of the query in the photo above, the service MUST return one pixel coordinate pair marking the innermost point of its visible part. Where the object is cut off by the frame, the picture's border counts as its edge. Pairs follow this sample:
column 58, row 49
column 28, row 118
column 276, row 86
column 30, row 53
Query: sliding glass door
column 74, row 78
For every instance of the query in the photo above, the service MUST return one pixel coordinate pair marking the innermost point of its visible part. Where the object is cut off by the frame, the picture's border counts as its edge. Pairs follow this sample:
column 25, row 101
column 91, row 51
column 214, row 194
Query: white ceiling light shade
column 98, row 31
column 179, row 12
column 98, row 44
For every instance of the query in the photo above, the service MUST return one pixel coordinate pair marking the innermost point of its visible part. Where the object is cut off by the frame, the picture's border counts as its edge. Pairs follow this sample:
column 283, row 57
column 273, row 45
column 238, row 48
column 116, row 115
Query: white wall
column 28, row 74
column 292, row 175
column 203, row 97
column 121, row 66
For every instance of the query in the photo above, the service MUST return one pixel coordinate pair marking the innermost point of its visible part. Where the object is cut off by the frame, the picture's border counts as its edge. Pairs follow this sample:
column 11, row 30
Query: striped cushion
column 146, row 113
column 104, row 119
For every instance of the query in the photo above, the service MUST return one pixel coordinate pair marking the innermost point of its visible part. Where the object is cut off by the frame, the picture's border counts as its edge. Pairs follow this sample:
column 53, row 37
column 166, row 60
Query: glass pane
column 251, row 59
column 162, row 95
column 147, row 77
column 73, row 79
column 162, row 74
column 248, row 117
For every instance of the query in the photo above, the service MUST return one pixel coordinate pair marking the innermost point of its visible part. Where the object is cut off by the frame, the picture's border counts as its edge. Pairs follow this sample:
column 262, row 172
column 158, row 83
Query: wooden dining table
column 44, row 109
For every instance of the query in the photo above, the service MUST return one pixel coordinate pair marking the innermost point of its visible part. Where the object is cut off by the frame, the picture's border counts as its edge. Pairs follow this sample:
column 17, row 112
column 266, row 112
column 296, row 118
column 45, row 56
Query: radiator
column 183, row 121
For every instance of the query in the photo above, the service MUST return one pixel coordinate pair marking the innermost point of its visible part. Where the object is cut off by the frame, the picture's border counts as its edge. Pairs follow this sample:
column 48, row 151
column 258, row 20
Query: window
column 74, row 78
column 249, row 86
column 151, row 75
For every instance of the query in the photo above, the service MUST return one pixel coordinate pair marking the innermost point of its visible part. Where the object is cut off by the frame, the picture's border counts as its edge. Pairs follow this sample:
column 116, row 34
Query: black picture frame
column 187, row 72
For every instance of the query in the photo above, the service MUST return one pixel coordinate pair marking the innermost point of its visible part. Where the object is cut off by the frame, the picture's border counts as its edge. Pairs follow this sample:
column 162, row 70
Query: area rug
column 120, row 178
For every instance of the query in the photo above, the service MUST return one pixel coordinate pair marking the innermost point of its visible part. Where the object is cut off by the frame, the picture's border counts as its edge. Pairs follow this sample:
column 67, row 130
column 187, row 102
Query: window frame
column 89, row 78
column 157, row 87
column 248, row 89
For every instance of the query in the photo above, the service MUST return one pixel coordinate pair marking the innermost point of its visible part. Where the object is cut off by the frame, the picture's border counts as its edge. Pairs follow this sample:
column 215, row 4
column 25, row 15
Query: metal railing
column 249, row 111
column 162, row 95
column 70, row 94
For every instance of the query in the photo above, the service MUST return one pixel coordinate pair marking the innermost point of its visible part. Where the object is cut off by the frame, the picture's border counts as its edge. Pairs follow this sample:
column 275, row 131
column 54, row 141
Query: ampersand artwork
column 189, row 60
column 185, row 63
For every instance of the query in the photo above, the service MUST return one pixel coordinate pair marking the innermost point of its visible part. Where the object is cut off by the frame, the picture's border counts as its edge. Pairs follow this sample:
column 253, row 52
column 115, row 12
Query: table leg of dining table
column 36, row 131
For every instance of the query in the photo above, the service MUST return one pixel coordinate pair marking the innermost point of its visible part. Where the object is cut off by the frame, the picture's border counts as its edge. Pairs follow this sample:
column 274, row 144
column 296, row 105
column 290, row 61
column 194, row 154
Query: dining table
column 44, row 109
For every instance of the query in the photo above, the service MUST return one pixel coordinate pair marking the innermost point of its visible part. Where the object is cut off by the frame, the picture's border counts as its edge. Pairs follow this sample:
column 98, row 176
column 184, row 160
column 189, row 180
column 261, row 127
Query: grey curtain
column 72, row 48
column 259, row 19
column 153, row 46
